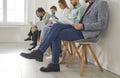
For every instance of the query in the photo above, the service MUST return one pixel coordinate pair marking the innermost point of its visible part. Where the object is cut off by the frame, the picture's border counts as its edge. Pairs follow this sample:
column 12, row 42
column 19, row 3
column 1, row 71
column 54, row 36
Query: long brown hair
column 64, row 3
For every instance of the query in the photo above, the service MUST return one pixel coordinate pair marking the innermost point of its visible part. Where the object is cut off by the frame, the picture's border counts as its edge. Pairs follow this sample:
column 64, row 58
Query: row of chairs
column 80, row 50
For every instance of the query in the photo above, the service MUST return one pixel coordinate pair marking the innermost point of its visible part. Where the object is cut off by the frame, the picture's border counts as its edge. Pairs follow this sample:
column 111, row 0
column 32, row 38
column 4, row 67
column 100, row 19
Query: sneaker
column 32, row 44
column 31, row 48
column 27, row 39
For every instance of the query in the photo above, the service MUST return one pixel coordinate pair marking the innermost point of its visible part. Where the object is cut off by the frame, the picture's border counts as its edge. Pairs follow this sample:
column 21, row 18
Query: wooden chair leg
column 63, row 44
column 74, row 46
column 63, row 58
column 65, row 52
column 94, row 56
column 79, row 55
column 82, row 60
column 71, row 49
column 68, row 50
column 72, row 57
column 86, row 61
column 48, row 52
column 77, row 52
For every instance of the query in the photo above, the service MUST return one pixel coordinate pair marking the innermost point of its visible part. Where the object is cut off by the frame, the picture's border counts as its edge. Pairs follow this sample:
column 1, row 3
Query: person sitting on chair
column 42, row 19
column 47, row 27
column 91, row 24
column 67, row 16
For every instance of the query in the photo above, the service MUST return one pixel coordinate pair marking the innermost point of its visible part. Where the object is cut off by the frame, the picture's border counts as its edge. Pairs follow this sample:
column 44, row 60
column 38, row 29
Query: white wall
column 108, row 48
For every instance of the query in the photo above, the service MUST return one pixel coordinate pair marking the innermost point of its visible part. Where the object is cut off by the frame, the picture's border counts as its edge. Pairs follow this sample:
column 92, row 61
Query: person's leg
column 29, row 35
column 51, row 35
column 67, row 34
column 39, row 33
column 44, row 33
column 35, row 37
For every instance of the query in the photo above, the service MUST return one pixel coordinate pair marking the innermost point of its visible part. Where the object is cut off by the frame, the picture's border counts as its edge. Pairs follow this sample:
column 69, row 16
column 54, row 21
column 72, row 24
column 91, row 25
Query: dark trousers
column 30, row 33
column 57, row 33
column 35, row 37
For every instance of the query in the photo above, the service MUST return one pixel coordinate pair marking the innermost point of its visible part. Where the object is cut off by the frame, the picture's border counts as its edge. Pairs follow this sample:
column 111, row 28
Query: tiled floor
column 14, row 66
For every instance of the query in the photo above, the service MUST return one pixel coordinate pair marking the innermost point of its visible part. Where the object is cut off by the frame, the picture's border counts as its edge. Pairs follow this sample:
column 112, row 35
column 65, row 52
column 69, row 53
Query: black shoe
column 51, row 68
column 36, row 54
column 27, row 39
column 31, row 48
column 32, row 44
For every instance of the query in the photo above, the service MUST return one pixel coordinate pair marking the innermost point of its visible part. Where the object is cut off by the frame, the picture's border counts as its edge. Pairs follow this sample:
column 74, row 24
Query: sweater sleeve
column 46, row 18
column 100, row 24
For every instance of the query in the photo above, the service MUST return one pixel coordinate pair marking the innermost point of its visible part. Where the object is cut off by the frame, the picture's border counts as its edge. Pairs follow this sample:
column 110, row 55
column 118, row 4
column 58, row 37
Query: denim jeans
column 57, row 33
column 44, row 31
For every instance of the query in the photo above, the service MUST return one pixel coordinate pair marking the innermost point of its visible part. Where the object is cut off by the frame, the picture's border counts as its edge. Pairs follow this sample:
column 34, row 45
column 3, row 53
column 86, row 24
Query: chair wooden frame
column 83, row 58
column 66, row 49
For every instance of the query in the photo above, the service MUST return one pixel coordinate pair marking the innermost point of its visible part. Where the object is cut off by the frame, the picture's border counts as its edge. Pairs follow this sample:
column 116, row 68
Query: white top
column 39, row 23
column 43, row 22
column 63, row 17
column 37, row 19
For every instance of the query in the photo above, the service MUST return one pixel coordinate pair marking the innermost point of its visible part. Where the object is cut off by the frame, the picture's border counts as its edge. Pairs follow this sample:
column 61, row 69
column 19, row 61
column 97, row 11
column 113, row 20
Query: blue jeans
column 57, row 33
column 44, row 31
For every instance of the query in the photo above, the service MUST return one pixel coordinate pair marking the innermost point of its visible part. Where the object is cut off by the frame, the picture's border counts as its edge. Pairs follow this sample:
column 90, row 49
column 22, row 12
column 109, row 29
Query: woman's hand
column 78, row 26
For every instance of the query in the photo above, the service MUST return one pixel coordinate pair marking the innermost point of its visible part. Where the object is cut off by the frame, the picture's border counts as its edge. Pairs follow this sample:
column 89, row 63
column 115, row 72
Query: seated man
column 42, row 19
column 92, row 23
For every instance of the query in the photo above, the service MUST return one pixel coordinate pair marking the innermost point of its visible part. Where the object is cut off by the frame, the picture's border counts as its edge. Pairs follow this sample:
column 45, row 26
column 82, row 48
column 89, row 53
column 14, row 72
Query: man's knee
column 56, row 26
